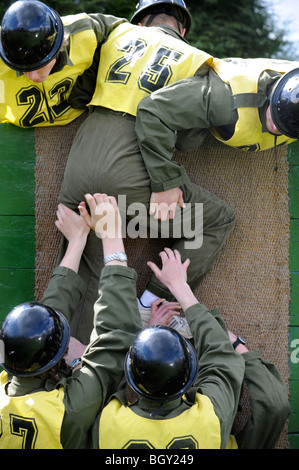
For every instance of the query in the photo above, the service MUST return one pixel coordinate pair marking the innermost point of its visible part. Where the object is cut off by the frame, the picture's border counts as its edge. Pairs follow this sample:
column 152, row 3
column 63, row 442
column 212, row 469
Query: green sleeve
column 269, row 404
column 199, row 102
column 116, row 323
column 100, row 23
column 84, row 87
column 268, row 398
column 64, row 291
column 220, row 371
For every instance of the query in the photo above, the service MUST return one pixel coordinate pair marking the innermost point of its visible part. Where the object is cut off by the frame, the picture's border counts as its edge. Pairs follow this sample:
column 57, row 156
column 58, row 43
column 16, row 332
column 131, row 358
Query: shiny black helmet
column 31, row 35
column 33, row 339
column 284, row 104
column 161, row 364
column 176, row 8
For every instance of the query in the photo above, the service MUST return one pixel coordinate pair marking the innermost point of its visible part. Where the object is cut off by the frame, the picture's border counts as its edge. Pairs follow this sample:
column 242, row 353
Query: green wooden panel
column 294, row 246
column 293, row 177
column 17, row 242
column 294, row 305
column 293, row 153
column 294, row 191
column 294, row 441
column 294, row 352
column 17, row 144
column 17, row 188
column 294, row 418
column 17, row 221
column 294, row 204
column 293, row 159
column 16, row 287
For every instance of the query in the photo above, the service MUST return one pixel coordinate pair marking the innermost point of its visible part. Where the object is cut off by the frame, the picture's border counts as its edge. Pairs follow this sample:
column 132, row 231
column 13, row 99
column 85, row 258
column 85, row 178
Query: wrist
column 118, row 257
column 76, row 362
column 183, row 294
column 177, row 288
column 78, row 242
column 238, row 343
column 112, row 245
column 241, row 349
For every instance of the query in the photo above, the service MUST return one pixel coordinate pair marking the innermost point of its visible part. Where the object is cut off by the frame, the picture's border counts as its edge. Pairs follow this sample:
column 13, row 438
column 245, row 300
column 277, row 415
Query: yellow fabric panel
column 136, row 61
column 243, row 75
column 28, row 104
column 31, row 421
column 196, row 428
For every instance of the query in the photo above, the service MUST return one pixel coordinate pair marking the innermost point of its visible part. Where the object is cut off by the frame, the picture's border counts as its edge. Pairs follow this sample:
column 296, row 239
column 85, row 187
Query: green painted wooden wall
column 17, row 240
column 17, row 220
column 293, row 157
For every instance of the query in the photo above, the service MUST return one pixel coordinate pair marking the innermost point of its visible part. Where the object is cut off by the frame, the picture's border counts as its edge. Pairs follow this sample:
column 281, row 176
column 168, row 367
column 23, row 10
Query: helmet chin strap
column 155, row 412
column 150, row 20
column 154, row 14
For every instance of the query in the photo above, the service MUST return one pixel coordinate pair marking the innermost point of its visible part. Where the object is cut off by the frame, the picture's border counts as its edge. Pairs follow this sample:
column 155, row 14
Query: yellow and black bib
column 136, row 60
column 196, row 428
column 31, row 421
column 28, row 104
column 243, row 75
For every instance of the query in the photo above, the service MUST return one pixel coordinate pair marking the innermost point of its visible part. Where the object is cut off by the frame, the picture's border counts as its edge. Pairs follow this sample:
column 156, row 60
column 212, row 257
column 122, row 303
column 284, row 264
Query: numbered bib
column 31, row 421
column 196, row 428
column 136, row 60
column 28, row 104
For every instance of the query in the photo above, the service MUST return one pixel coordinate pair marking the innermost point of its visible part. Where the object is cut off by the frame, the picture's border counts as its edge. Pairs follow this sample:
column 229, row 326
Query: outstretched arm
column 174, row 276
column 221, row 370
column 116, row 323
column 75, row 230
column 66, row 287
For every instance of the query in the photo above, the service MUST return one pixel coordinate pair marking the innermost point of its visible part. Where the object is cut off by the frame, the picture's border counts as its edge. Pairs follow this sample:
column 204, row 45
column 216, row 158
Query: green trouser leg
column 105, row 158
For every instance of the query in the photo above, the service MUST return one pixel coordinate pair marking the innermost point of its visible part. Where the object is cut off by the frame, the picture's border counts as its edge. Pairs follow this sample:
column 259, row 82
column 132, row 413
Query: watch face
column 238, row 341
column 75, row 362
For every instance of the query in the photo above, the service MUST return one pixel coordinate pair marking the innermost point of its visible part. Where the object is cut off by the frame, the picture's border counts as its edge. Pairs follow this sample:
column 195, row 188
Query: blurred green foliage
column 223, row 28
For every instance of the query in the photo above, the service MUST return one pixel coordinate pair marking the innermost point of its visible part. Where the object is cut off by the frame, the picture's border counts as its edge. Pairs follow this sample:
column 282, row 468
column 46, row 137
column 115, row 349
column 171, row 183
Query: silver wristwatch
column 75, row 362
column 119, row 256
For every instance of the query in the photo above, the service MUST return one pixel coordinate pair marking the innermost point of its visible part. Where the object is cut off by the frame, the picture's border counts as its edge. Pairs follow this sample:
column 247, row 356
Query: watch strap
column 75, row 362
column 119, row 256
column 238, row 341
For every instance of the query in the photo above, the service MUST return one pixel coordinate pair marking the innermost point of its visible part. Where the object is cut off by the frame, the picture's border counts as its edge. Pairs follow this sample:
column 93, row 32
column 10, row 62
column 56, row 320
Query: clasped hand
column 104, row 217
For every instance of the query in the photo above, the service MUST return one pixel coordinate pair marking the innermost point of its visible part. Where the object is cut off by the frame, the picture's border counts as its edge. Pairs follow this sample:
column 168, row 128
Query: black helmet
column 146, row 7
column 35, row 337
column 31, row 35
column 284, row 104
column 161, row 365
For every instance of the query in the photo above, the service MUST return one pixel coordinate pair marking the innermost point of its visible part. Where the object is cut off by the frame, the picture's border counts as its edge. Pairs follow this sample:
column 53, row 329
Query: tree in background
column 239, row 28
column 223, row 28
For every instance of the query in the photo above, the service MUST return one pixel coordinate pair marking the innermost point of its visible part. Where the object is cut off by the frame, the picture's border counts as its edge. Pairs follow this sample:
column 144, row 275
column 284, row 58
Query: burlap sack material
column 249, row 281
